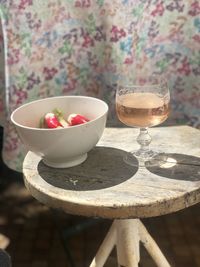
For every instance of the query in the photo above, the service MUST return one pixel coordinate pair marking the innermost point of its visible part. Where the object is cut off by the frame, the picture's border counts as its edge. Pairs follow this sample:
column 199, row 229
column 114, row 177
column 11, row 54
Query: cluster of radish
column 56, row 119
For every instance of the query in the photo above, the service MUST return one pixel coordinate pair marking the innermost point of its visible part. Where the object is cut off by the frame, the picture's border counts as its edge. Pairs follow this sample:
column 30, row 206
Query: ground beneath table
column 35, row 241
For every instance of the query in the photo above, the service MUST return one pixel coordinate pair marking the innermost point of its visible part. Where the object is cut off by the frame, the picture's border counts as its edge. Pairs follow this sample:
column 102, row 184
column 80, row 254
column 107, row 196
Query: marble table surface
column 105, row 186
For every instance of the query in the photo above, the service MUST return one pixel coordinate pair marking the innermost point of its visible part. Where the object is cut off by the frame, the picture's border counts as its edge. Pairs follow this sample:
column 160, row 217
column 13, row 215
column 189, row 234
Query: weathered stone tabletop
column 104, row 186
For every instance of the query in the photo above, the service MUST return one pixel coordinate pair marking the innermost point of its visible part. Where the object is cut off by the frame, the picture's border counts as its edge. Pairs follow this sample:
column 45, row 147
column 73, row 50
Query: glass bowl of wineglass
column 143, row 102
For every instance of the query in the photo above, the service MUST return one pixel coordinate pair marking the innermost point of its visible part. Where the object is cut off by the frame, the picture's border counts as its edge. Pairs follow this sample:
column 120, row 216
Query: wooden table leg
column 152, row 247
column 127, row 243
column 105, row 248
column 126, row 236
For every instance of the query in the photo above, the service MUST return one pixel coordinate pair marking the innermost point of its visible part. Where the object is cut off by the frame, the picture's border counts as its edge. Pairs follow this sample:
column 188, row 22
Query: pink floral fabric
column 80, row 47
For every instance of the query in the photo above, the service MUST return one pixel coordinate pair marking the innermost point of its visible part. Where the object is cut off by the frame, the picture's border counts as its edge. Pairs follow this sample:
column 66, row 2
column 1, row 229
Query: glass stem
column 144, row 139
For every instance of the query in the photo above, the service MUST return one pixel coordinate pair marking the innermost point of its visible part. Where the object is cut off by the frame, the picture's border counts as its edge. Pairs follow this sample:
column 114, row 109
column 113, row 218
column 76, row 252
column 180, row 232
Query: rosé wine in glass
column 143, row 105
column 142, row 109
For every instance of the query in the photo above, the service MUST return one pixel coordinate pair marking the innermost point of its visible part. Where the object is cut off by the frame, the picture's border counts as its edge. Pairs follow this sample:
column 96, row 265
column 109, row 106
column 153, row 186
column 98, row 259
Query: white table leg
column 105, row 248
column 152, row 247
column 127, row 243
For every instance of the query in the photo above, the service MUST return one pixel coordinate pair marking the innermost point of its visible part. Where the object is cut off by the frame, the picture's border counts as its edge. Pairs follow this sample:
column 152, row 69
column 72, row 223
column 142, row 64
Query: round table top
column 105, row 186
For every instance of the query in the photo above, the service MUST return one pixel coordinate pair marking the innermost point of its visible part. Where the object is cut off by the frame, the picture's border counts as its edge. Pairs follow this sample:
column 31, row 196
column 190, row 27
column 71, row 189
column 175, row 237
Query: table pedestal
column 126, row 235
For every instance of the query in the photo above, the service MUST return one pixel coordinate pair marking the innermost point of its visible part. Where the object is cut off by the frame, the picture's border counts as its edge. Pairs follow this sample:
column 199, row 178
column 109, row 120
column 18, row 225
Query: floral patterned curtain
column 63, row 47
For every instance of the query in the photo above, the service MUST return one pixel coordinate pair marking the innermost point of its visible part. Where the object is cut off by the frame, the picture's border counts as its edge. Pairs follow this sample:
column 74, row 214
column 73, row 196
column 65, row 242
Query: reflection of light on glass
column 170, row 162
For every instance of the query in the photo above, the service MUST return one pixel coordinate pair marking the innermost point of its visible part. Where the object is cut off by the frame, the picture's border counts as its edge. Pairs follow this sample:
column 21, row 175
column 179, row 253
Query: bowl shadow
column 178, row 167
column 103, row 168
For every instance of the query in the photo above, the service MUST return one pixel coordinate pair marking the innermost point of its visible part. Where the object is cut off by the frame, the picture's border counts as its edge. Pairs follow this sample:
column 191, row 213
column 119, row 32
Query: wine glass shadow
column 178, row 167
column 103, row 168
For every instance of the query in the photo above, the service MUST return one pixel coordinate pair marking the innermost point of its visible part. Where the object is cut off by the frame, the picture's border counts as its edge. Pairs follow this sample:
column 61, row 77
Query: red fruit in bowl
column 75, row 119
column 51, row 121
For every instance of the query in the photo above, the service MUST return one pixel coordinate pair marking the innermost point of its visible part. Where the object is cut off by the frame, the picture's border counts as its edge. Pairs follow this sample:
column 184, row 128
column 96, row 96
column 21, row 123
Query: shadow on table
column 178, row 167
column 103, row 168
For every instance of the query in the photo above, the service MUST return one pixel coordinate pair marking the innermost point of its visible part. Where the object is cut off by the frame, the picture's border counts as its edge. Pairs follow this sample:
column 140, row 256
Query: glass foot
column 149, row 159
column 157, row 160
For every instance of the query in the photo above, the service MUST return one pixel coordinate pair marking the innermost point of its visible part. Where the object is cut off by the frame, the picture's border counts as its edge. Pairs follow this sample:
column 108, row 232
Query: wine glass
column 144, row 102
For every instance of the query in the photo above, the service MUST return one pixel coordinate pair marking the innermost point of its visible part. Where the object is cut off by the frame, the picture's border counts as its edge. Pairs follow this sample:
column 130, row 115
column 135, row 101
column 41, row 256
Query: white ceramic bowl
column 63, row 147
